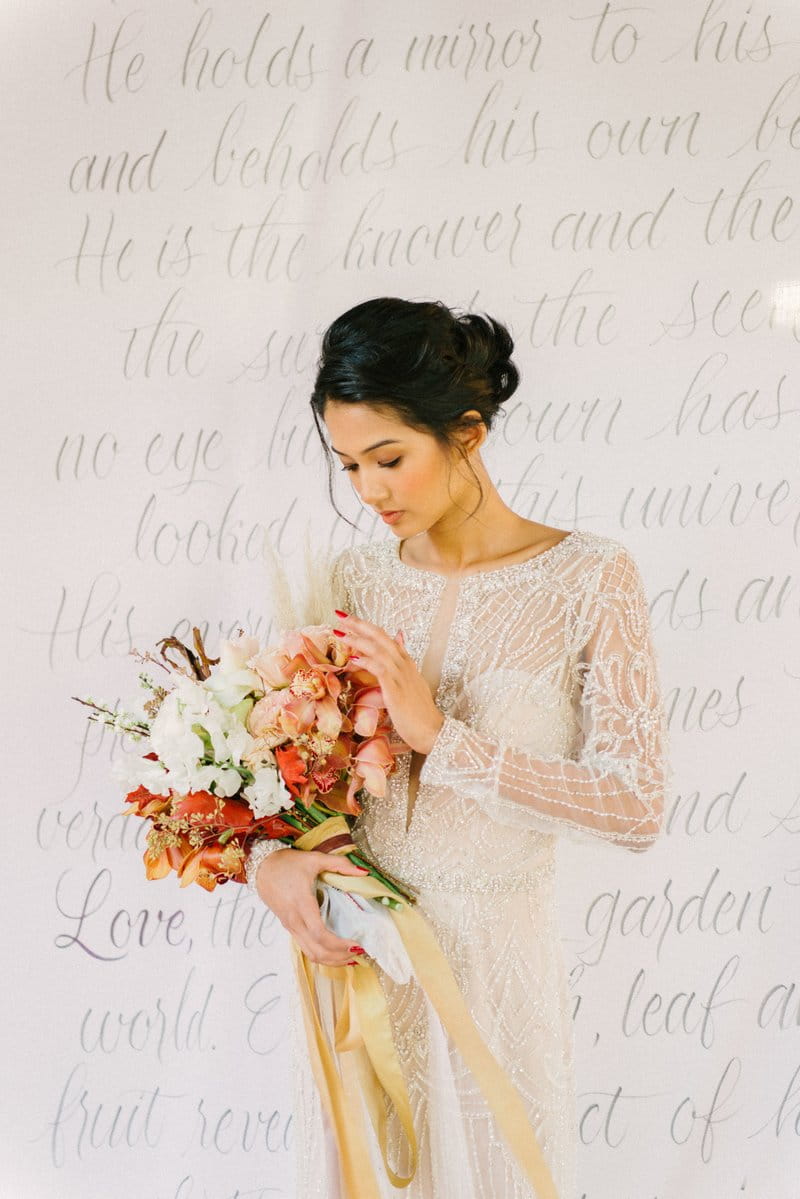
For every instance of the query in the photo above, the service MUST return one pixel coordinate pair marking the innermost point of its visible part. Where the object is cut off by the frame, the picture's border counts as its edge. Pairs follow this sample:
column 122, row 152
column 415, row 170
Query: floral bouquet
column 285, row 742
column 259, row 742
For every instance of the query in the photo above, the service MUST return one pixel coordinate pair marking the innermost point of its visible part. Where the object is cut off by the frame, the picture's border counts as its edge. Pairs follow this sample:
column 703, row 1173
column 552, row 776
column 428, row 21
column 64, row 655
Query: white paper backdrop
column 191, row 193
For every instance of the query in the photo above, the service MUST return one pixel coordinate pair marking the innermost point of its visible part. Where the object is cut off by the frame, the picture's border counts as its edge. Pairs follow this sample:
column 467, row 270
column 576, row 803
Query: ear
column 473, row 437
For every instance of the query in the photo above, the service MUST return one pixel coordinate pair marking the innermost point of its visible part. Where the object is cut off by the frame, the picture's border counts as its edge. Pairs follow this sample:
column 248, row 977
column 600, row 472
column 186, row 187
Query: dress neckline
column 492, row 571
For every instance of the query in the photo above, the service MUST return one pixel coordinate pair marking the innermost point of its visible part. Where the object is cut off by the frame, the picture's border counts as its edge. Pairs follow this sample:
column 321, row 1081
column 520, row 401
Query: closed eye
column 393, row 463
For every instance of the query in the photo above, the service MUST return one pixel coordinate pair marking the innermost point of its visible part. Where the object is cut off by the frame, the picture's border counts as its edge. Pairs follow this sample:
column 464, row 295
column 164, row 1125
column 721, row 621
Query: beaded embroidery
column 553, row 726
column 260, row 850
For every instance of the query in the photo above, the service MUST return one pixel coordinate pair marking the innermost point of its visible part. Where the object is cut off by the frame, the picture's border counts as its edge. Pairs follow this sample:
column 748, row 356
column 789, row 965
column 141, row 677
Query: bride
column 516, row 661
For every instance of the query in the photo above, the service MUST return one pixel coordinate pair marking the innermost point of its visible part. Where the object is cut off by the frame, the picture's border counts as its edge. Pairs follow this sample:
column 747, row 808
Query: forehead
column 353, row 427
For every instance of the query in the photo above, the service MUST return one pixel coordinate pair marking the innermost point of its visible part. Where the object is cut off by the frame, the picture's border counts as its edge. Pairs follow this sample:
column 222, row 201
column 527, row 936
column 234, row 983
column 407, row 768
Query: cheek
column 420, row 481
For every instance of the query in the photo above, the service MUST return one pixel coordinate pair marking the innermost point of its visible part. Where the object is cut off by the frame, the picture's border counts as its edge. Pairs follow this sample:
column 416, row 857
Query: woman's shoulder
column 359, row 562
column 360, row 555
column 582, row 567
column 608, row 571
column 600, row 548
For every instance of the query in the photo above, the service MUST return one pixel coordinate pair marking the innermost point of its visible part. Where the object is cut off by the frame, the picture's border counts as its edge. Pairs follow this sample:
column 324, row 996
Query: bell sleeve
column 614, row 786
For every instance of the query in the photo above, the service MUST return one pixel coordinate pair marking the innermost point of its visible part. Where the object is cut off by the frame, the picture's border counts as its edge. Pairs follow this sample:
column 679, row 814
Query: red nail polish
column 338, row 613
column 338, row 632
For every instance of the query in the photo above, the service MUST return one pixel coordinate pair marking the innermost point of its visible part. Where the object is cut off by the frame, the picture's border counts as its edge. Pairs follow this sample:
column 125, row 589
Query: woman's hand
column 286, row 881
column 406, row 694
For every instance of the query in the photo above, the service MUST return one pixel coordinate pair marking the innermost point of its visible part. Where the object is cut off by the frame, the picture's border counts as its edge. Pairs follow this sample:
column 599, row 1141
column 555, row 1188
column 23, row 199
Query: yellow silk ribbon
column 366, row 1052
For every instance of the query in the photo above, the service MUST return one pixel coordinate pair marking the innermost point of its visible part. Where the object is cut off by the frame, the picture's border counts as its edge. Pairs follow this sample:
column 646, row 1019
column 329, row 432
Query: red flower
column 274, row 827
column 146, row 803
column 213, row 810
column 292, row 768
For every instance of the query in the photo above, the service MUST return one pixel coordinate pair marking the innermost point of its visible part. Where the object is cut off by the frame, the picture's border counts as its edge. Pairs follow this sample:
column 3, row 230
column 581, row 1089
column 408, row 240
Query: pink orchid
column 368, row 704
column 372, row 761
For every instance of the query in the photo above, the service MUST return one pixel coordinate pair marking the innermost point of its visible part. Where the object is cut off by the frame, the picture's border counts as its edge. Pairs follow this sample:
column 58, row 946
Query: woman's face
column 409, row 473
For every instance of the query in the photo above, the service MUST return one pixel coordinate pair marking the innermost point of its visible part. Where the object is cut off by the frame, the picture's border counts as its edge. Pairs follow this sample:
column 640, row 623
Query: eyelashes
column 387, row 464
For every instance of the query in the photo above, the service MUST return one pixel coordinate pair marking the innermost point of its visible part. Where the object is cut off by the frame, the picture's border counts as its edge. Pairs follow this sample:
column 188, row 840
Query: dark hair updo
column 421, row 360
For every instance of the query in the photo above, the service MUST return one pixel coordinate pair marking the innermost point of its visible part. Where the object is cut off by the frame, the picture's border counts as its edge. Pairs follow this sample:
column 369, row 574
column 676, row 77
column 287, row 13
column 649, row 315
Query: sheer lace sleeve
column 338, row 574
column 259, row 850
column 615, row 787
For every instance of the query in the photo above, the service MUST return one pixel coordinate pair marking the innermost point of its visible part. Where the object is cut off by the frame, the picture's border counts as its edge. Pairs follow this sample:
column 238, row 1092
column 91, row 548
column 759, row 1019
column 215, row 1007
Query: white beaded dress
column 554, row 726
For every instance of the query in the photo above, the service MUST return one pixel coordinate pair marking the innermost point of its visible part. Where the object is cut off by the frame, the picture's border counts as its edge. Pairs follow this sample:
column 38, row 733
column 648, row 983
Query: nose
column 373, row 495
column 375, row 501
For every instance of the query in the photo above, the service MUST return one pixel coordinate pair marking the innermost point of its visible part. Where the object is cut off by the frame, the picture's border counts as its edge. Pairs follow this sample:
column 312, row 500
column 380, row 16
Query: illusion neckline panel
column 493, row 573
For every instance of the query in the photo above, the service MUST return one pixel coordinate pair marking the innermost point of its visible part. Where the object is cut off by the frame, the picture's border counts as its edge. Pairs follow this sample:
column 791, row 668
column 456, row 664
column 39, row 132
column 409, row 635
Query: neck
column 458, row 542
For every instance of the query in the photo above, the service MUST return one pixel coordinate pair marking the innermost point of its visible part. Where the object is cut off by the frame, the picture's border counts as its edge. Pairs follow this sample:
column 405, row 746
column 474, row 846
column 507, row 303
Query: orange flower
column 274, row 826
column 206, row 866
column 292, row 768
column 203, row 808
column 299, row 649
column 324, row 780
column 170, row 858
column 147, row 804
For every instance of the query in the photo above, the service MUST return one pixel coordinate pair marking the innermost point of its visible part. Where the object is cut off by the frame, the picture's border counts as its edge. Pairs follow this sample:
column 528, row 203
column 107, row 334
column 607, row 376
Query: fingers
column 367, row 636
column 306, row 925
column 317, row 941
column 338, row 863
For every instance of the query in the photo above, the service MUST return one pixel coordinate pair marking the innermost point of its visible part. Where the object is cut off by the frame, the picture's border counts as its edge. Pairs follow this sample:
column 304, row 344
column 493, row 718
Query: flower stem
column 387, row 879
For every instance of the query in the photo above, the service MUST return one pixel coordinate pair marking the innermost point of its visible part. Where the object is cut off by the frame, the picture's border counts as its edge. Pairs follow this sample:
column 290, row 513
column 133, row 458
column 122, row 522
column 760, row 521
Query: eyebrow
column 387, row 441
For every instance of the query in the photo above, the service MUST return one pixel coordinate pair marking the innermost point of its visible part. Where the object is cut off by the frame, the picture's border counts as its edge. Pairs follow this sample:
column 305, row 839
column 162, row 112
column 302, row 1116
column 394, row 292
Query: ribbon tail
column 363, row 1031
column 435, row 976
column 381, row 1071
column 357, row 1176
column 505, row 1102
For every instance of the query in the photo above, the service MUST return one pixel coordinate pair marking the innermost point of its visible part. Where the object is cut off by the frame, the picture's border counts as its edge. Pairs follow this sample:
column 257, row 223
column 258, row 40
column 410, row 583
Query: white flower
column 191, row 727
column 231, row 680
column 171, row 735
column 239, row 742
column 226, row 780
column 268, row 793
column 132, row 772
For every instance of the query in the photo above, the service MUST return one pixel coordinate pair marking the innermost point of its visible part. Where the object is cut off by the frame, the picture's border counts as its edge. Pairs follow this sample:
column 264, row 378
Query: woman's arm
column 615, row 788
column 259, row 850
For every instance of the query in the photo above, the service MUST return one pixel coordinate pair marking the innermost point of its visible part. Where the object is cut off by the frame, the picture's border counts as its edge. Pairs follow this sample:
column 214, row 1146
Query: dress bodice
column 510, row 668
column 545, row 674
